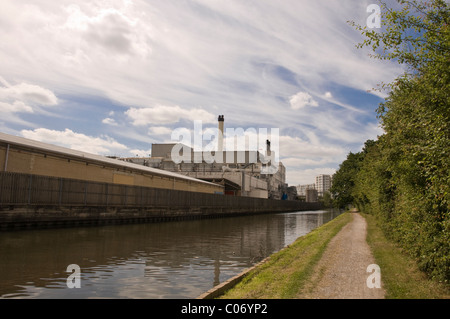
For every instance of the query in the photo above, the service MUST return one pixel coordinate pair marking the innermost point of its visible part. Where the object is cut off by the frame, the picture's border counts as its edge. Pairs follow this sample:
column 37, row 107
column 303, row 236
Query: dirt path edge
column 347, row 267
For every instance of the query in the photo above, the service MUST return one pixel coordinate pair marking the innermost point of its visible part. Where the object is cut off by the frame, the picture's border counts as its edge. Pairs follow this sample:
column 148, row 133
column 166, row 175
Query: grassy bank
column 285, row 274
column 290, row 273
column 400, row 275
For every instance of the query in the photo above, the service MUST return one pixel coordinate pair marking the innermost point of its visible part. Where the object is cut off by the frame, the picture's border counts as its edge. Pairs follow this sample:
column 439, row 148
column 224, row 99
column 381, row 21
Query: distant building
column 323, row 184
column 308, row 192
column 311, row 195
column 301, row 189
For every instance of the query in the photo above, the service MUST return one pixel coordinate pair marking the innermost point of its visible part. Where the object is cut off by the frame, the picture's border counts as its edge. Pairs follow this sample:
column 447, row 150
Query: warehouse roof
column 67, row 152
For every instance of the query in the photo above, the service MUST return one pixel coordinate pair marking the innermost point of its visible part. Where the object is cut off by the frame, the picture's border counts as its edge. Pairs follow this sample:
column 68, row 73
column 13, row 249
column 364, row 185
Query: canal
column 155, row 260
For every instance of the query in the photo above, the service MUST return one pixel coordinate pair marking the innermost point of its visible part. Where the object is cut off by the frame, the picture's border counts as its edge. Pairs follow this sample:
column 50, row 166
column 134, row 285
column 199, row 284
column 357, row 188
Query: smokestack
column 268, row 153
column 220, row 139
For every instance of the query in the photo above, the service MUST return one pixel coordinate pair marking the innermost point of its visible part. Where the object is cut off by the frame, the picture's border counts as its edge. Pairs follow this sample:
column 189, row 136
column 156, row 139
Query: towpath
column 342, row 271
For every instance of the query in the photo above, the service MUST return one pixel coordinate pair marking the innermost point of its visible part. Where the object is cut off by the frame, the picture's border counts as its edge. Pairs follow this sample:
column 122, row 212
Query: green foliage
column 344, row 179
column 327, row 200
column 401, row 277
column 404, row 177
column 415, row 35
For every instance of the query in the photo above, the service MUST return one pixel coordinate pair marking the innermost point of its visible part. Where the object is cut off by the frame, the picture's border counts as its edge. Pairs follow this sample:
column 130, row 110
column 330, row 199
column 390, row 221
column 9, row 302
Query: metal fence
column 26, row 189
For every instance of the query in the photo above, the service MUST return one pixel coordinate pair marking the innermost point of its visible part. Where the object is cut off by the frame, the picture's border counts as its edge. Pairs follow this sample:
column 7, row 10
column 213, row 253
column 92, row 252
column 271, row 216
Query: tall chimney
column 220, row 139
column 268, row 154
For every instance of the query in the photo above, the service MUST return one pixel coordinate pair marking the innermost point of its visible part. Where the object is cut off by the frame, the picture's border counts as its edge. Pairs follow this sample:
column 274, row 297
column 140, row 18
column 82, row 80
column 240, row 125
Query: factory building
column 241, row 173
column 20, row 155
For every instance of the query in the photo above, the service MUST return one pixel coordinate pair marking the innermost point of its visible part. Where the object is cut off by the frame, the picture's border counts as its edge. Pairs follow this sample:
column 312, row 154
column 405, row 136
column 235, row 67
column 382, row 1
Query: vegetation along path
column 329, row 262
column 332, row 261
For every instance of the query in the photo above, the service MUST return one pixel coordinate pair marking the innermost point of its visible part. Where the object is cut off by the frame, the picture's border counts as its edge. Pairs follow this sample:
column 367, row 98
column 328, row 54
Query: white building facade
column 323, row 184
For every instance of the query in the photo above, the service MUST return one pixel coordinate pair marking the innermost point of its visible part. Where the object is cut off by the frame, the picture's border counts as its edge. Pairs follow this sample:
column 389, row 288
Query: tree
column 344, row 179
column 405, row 178
column 327, row 200
column 416, row 35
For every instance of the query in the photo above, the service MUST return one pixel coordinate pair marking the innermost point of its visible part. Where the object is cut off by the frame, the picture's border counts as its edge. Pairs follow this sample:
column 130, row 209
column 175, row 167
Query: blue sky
column 112, row 77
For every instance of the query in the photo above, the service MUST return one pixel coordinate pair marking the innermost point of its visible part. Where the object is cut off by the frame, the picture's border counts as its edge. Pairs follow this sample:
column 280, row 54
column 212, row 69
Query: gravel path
column 342, row 271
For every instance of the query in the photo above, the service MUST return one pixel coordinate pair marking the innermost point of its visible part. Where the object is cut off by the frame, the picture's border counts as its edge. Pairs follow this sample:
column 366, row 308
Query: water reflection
column 162, row 260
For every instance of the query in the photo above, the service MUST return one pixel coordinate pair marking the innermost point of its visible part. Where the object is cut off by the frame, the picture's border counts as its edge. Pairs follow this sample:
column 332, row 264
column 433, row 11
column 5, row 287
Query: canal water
column 155, row 260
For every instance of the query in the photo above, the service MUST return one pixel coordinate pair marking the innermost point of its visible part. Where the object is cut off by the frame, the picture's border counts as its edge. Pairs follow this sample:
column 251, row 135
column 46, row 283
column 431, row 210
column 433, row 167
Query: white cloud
column 301, row 100
column 199, row 53
column 306, row 162
column 23, row 97
column 159, row 130
column 110, row 28
column 109, row 121
column 304, row 159
column 103, row 145
column 298, row 148
column 247, row 60
column 341, row 127
column 162, row 114
column 307, row 176
column 15, row 107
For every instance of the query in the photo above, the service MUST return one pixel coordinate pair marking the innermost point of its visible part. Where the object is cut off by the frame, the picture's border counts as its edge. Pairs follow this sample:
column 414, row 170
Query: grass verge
column 284, row 275
column 399, row 273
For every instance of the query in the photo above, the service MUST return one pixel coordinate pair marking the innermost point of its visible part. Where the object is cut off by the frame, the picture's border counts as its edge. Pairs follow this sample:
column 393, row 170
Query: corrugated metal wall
column 25, row 189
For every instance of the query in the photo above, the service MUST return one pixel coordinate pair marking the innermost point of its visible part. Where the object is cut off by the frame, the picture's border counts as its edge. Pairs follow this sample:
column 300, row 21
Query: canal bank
column 41, row 217
column 279, row 275
column 333, row 262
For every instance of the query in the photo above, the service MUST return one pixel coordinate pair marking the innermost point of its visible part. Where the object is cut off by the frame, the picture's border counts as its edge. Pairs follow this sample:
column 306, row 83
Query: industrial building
column 21, row 155
column 243, row 173
column 43, row 185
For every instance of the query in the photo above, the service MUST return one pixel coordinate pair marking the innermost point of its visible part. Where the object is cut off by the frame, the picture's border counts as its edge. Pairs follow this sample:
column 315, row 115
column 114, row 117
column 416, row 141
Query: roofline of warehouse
column 80, row 155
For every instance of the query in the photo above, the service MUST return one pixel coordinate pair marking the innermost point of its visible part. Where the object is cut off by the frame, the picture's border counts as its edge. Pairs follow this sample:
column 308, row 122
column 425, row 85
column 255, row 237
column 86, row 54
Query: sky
column 112, row 77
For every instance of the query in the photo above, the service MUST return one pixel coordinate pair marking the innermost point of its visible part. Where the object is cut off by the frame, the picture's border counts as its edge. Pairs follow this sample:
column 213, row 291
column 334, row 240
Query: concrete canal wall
column 34, row 201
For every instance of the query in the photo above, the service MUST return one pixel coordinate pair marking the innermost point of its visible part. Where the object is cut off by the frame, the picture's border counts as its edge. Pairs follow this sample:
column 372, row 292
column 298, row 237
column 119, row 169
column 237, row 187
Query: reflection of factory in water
column 210, row 249
column 167, row 259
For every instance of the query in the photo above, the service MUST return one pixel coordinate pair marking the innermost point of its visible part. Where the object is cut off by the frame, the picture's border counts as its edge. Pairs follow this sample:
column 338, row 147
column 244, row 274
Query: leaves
column 404, row 177
column 414, row 36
